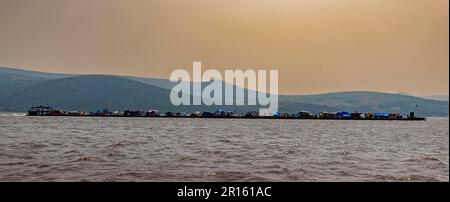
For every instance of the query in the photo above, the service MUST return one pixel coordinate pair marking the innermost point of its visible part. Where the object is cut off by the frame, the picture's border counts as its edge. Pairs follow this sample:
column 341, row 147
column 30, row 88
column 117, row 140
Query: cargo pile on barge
column 342, row 115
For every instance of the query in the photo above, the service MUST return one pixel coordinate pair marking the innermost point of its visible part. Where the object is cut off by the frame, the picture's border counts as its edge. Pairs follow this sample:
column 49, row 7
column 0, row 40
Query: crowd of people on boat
column 49, row 111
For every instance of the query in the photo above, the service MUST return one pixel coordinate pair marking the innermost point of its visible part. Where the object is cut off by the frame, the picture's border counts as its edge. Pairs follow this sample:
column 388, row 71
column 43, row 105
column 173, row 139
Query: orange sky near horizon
column 317, row 45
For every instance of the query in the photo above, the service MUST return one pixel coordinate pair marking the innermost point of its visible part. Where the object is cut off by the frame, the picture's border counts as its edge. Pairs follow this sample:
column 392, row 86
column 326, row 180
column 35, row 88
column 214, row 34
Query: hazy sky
column 317, row 45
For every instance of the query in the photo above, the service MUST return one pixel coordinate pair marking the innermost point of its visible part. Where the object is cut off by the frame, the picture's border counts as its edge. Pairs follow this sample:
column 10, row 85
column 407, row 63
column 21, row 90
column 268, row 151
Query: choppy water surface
column 163, row 149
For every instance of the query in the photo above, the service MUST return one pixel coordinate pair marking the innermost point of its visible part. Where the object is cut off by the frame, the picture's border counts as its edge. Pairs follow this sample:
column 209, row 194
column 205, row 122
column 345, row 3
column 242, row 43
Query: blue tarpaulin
column 381, row 114
column 278, row 114
column 343, row 114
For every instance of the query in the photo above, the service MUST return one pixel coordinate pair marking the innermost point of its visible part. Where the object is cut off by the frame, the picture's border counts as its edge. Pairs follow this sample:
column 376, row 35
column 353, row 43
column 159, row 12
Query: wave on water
column 12, row 114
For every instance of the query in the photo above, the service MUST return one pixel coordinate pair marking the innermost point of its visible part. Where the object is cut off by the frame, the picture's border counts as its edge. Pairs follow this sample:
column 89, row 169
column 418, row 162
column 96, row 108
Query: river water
column 166, row 149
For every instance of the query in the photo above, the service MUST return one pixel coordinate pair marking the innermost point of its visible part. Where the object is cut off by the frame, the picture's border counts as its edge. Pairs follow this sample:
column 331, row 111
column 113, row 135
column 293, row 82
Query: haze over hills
column 21, row 89
column 438, row 97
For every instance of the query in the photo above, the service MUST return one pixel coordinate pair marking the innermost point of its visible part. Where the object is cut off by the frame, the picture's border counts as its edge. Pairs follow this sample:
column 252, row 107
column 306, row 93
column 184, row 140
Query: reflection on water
column 152, row 149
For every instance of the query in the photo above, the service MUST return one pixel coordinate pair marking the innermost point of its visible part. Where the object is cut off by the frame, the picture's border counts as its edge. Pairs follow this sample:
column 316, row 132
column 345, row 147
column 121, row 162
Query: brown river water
column 166, row 149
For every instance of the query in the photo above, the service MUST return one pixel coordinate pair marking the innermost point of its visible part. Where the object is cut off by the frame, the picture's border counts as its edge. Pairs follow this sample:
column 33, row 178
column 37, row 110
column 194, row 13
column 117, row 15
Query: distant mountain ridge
column 21, row 89
column 438, row 97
